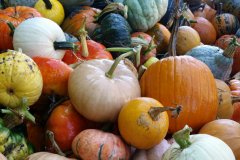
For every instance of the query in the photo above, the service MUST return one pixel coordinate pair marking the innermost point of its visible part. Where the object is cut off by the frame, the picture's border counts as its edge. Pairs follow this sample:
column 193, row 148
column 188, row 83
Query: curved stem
column 12, row 28
column 134, row 51
column 50, row 135
column 155, row 112
column 151, row 47
column 83, row 35
column 182, row 137
column 66, row 46
column 48, row 4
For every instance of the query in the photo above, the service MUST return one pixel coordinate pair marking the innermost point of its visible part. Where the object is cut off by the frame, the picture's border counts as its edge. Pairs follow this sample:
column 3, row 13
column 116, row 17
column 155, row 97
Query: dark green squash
column 97, row 35
column 70, row 38
column 11, row 3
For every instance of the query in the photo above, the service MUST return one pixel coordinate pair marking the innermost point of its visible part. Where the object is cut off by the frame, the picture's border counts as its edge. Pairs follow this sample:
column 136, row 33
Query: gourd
column 20, row 77
column 219, row 61
column 98, row 144
column 51, row 9
column 236, row 112
column 225, row 24
column 167, row 15
column 210, row 13
column 143, row 122
column 16, row 15
column 226, row 130
column 96, row 76
column 198, row 146
column 47, row 156
column 12, row 3
column 45, row 39
column 71, row 5
column 143, row 15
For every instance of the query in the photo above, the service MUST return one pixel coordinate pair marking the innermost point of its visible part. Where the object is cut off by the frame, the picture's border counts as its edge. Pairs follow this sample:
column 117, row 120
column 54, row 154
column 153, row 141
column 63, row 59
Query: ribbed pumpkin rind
column 186, row 81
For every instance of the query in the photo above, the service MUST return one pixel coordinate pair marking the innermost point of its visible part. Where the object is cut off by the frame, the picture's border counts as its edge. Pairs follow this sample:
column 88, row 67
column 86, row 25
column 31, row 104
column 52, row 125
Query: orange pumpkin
column 186, row 81
column 236, row 112
column 205, row 30
column 75, row 20
column 199, row 13
column 210, row 12
column 162, row 37
column 189, row 15
column 226, row 130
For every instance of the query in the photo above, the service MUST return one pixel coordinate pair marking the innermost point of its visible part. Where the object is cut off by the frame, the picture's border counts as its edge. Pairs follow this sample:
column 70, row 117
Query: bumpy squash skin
column 213, row 57
column 143, row 15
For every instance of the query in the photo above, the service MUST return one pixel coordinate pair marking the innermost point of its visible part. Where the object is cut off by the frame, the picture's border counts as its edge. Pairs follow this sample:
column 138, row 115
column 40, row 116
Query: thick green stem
column 48, row 4
column 63, row 45
column 182, row 137
column 82, row 36
column 22, row 112
column 12, row 28
column 134, row 51
column 231, row 47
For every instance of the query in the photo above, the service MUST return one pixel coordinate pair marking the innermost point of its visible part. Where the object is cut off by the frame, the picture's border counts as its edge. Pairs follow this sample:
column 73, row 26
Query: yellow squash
column 51, row 9
column 19, row 77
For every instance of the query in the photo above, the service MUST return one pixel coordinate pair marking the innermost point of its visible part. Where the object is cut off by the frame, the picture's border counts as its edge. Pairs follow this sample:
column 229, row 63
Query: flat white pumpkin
column 36, row 36
column 97, row 97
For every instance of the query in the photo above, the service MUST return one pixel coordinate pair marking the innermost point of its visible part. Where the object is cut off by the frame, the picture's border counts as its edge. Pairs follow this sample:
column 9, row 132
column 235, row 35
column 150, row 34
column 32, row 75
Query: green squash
column 13, row 143
column 144, row 14
column 71, row 5
column 11, row 3
column 70, row 38
column 97, row 35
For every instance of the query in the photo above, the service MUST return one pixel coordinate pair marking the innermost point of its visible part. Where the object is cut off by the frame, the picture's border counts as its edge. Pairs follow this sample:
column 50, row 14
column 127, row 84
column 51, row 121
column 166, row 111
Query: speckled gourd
column 219, row 61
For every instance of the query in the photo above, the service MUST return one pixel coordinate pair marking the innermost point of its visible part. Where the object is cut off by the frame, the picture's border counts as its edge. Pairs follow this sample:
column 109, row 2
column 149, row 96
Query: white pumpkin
column 201, row 147
column 47, row 156
column 98, row 97
column 36, row 37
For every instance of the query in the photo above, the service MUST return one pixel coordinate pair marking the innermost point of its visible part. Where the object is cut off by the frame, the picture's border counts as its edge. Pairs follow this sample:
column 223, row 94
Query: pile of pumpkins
column 119, row 79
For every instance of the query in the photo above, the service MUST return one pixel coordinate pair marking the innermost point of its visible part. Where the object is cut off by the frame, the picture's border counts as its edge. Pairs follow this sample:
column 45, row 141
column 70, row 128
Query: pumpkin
column 143, row 15
column 225, row 107
column 66, row 123
column 199, row 13
column 16, row 15
column 75, row 20
column 222, row 43
column 148, row 124
column 94, row 77
column 236, row 112
column 187, row 39
column 189, row 15
column 20, row 77
column 51, row 9
column 12, row 3
column 198, row 146
column 219, row 61
column 162, row 37
column 46, row 37
column 55, row 75
column 154, row 153
column 226, row 130
column 205, row 30
column 210, row 12
column 47, row 156
column 96, row 144
column 193, row 2
column 225, row 24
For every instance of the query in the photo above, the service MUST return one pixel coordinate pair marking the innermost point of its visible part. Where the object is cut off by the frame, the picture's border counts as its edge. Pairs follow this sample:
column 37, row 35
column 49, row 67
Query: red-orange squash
column 236, row 112
column 186, row 81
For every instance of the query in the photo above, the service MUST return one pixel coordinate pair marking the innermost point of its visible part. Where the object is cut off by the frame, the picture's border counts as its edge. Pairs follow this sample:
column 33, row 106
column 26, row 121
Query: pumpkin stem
column 219, row 11
column 134, row 51
column 15, row 7
column 238, row 33
column 112, row 8
column 199, row 6
column 235, row 99
column 155, row 112
column 17, row 116
column 63, row 45
column 48, row 4
column 231, row 47
column 182, row 137
column 83, row 35
column 50, row 135
column 12, row 28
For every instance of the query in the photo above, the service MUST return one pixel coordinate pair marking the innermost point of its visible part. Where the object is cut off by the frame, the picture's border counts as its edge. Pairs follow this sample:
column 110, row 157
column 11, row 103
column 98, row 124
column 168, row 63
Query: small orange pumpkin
column 210, row 12
column 236, row 112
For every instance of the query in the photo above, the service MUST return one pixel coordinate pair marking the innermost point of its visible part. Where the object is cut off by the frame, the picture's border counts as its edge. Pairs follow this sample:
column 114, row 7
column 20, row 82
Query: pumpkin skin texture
column 9, row 14
column 75, row 20
column 56, row 13
column 96, row 51
column 47, row 156
column 55, row 75
column 143, row 15
column 225, row 107
column 20, row 77
column 225, row 24
column 205, row 30
column 95, row 144
column 187, row 39
column 162, row 37
column 66, row 123
column 236, row 57
column 236, row 112
column 174, row 80
column 88, row 81
column 44, row 32
column 226, row 130
column 138, row 128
